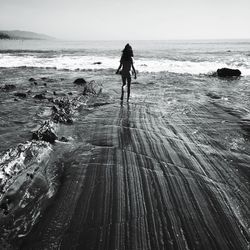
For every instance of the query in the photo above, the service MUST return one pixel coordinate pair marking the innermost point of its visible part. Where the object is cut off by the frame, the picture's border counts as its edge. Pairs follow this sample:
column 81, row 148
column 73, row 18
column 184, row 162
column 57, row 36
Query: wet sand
column 165, row 171
column 168, row 170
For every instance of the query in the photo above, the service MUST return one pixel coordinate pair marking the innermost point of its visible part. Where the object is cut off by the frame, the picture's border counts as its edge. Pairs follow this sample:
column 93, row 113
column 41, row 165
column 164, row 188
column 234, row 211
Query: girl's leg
column 123, row 84
column 128, row 86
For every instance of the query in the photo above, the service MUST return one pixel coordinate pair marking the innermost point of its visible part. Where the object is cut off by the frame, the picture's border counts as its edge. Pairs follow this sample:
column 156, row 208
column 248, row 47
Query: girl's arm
column 117, row 72
column 134, row 70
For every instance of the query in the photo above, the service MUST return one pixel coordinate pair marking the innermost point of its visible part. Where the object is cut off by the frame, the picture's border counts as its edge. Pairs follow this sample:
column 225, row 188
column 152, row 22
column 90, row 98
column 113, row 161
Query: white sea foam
column 73, row 62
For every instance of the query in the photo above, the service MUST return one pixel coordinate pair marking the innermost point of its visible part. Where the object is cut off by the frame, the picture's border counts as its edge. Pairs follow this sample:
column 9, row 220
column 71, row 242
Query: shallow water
column 194, row 57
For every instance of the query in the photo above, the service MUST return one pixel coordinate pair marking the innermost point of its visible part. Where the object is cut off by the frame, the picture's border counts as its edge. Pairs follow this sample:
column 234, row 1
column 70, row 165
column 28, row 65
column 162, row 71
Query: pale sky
column 129, row 19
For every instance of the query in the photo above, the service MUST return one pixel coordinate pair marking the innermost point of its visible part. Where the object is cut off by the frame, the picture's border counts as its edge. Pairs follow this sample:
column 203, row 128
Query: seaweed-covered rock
column 61, row 117
column 80, row 81
column 20, row 94
column 226, row 72
column 61, row 111
column 92, row 88
column 45, row 133
column 62, row 103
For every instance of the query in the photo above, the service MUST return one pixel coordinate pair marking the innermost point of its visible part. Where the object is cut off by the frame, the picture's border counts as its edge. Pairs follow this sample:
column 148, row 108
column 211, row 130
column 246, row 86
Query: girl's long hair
column 127, row 53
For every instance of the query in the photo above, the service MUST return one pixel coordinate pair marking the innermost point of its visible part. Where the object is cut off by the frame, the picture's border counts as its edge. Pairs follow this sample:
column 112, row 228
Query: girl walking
column 126, row 63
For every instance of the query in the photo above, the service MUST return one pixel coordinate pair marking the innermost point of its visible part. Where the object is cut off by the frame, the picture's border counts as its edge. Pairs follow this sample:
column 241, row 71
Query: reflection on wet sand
column 125, row 125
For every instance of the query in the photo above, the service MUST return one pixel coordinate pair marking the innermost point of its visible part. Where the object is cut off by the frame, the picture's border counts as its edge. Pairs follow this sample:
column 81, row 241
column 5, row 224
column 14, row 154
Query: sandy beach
column 167, row 170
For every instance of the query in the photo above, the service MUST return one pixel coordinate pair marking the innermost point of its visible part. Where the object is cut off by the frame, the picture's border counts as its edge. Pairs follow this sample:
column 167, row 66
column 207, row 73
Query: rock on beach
column 45, row 133
column 20, row 94
column 8, row 87
column 80, row 81
column 40, row 96
column 226, row 72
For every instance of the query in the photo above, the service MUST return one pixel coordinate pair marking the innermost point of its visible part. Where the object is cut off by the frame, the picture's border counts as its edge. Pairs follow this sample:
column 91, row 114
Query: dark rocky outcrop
column 40, row 96
column 80, row 81
column 63, row 139
column 32, row 79
column 8, row 87
column 213, row 95
column 20, row 94
column 245, row 123
column 226, row 72
column 97, row 63
column 45, row 133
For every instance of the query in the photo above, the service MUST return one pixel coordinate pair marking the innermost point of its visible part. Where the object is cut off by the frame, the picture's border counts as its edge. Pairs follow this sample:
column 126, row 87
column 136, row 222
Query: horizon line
column 124, row 39
column 166, row 39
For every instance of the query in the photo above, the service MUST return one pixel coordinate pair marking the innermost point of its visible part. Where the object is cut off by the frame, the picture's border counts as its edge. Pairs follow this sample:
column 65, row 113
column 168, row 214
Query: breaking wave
column 142, row 64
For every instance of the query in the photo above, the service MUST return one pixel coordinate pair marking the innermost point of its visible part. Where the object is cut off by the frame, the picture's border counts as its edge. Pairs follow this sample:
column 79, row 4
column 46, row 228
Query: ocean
column 180, row 147
column 193, row 57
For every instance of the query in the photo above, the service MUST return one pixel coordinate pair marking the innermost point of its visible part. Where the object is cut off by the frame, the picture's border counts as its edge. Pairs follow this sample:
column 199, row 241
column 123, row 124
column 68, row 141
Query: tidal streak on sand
column 145, row 179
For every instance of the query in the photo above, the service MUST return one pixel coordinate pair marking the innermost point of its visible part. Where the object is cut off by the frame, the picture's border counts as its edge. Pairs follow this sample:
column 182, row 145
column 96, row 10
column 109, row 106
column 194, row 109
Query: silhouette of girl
column 126, row 63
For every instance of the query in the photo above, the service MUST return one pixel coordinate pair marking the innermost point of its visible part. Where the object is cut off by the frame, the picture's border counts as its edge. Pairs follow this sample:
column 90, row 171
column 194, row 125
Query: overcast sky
column 131, row 19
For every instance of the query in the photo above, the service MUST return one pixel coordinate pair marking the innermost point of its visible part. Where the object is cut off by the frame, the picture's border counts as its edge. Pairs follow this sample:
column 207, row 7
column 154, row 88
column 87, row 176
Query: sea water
column 192, row 57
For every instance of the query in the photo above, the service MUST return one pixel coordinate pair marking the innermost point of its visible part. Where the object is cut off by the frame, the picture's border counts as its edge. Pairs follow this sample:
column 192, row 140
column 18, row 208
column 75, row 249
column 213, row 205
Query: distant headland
column 23, row 35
